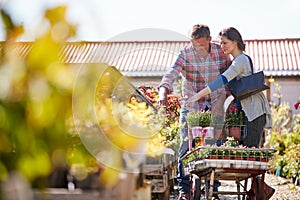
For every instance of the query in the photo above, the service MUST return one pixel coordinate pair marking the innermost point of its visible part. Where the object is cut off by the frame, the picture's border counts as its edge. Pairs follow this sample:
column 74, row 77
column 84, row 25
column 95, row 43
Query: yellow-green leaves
column 12, row 31
column 35, row 99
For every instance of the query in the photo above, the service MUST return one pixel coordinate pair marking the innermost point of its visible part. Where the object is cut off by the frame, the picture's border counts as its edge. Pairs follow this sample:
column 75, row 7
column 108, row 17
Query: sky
column 102, row 20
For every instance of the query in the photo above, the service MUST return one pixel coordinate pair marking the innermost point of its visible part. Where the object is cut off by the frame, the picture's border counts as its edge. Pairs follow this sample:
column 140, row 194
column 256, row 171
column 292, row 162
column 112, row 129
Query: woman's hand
column 194, row 98
column 197, row 96
column 189, row 102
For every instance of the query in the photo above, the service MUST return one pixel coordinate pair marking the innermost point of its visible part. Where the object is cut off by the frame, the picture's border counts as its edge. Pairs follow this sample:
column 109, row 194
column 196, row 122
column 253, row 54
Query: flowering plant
column 171, row 127
column 233, row 116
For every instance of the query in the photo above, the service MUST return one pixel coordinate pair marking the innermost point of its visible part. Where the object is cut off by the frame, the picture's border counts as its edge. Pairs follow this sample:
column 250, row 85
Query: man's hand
column 162, row 97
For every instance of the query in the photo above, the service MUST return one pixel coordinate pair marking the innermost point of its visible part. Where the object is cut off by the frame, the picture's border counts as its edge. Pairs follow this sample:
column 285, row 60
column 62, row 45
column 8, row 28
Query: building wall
column 290, row 91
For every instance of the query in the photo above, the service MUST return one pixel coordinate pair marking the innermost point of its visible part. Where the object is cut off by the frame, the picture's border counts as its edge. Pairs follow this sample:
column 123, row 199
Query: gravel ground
column 284, row 189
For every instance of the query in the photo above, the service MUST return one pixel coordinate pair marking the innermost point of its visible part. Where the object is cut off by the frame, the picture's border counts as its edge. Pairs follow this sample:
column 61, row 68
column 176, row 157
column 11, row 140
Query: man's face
column 201, row 45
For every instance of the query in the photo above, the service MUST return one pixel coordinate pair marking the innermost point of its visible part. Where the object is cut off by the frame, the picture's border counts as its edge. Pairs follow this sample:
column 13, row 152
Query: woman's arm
column 199, row 95
column 236, row 68
column 218, row 83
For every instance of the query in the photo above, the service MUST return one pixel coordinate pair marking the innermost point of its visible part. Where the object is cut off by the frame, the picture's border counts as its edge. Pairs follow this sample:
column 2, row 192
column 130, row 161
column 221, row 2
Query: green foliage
column 287, row 155
column 191, row 157
column 243, row 153
column 36, row 100
column 285, row 138
column 13, row 31
column 171, row 132
column 199, row 118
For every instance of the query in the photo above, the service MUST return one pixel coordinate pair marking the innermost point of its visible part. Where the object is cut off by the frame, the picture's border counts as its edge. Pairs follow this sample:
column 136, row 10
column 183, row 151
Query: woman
column 256, row 108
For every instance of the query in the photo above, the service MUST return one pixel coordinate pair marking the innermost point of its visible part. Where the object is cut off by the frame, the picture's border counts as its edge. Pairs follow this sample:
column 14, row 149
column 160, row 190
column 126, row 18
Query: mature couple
column 205, row 68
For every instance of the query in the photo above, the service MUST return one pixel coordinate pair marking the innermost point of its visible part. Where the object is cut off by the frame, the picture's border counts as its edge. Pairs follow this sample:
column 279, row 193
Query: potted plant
column 258, row 155
column 227, row 153
column 197, row 120
column 192, row 119
column 234, row 121
column 240, row 153
column 214, row 152
column 244, row 154
column 264, row 156
column 229, row 145
column 252, row 154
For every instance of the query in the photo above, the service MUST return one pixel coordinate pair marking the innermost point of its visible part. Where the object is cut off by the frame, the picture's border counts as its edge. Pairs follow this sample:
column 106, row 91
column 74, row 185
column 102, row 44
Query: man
column 198, row 64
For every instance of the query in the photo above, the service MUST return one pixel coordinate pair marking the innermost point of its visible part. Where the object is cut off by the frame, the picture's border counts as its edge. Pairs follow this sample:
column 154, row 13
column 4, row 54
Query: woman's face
column 228, row 46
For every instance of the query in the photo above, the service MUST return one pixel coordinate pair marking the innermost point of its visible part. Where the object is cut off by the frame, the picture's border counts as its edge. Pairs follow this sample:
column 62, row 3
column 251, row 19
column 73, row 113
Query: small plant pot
column 214, row 157
column 197, row 131
column 197, row 135
column 238, row 158
column 226, row 157
column 208, row 132
column 263, row 159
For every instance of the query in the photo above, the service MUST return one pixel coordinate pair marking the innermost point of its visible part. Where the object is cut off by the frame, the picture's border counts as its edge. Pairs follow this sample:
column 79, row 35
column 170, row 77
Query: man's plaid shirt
column 196, row 72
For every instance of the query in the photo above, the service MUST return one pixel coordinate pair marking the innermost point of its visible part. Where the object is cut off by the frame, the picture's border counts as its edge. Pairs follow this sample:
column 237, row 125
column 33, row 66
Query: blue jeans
column 183, row 181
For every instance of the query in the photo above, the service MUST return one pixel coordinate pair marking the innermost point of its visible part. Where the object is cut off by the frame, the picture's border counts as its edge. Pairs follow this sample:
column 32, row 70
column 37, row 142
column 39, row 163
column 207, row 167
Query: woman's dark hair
column 233, row 35
column 200, row 30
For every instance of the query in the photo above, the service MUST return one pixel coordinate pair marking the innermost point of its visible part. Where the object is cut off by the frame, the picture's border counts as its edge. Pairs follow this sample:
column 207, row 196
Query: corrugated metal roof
column 280, row 57
column 276, row 57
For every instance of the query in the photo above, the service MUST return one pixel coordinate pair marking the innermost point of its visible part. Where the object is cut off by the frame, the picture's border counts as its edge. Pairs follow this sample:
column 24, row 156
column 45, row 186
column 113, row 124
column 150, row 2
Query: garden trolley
column 237, row 164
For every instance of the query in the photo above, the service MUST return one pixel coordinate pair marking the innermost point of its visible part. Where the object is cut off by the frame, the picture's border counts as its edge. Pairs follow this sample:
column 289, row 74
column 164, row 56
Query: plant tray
column 228, row 157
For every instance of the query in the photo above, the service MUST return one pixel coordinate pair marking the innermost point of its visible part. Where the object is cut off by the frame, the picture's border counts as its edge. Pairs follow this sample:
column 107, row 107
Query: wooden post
column 211, row 188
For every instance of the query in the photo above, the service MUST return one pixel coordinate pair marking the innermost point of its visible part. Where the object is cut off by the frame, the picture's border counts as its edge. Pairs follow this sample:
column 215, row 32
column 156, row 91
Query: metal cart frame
column 229, row 169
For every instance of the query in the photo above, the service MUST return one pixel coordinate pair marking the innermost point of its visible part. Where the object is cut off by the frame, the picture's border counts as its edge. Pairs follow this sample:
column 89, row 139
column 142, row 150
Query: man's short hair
column 200, row 30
